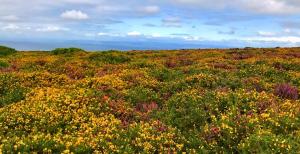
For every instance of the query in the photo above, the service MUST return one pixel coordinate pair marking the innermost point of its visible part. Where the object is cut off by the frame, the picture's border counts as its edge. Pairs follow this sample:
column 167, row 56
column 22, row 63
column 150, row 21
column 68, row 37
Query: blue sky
column 149, row 24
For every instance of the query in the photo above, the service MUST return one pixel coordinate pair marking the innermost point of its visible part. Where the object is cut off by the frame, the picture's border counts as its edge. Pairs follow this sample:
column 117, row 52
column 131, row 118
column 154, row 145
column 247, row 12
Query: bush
column 286, row 91
column 5, row 51
column 166, row 74
column 268, row 143
column 10, row 90
column 60, row 51
column 110, row 57
column 139, row 95
column 3, row 64
column 203, row 80
column 186, row 111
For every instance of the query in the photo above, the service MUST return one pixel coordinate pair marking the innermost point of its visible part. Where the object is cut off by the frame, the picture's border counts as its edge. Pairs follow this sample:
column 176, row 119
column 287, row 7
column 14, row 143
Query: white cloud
column 266, row 34
column 10, row 27
column 102, row 34
column 10, row 18
column 269, row 7
column 74, row 15
column 283, row 39
column 81, row 1
column 134, row 33
column 287, row 30
column 156, row 35
column 254, row 6
column 16, row 28
column 109, row 34
column 149, row 9
column 51, row 29
column 191, row 38
column 172, row 22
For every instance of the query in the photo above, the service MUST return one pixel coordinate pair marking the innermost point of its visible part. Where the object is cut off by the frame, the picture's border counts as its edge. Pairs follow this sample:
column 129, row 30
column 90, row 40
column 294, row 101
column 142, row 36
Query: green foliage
column 139, row 94
column 3, row 64
column 10, row 90
column 109, row 57
column 5, row 51
column 268, row 143
column 164, row 74
column 68, row 51
column 186, row 111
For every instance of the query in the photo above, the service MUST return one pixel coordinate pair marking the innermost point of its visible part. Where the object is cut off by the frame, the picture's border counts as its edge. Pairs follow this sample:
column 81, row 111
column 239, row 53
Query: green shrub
column 186, row 111
column 60, row 51
column 10, row 90
column 5, row 51
column 141, row 94
column 166, row 74
column 268, row 143
column 3, row 64
column 203, row 80
column 109, row 57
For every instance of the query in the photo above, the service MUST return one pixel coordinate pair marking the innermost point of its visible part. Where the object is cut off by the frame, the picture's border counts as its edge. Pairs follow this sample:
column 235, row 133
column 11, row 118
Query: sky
column 149, row 24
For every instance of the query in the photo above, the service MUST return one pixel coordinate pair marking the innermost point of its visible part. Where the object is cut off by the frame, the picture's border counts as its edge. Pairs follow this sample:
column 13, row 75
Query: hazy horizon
column 92, row 45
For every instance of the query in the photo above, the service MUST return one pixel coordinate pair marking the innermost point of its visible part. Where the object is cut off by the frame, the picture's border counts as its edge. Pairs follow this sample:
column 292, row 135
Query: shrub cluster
column 61, row 51
column 5, row 51
column 109, row 57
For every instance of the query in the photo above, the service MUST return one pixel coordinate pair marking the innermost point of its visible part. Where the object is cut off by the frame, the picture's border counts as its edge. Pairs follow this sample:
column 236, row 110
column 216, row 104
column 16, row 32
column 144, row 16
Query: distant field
column 194, row 101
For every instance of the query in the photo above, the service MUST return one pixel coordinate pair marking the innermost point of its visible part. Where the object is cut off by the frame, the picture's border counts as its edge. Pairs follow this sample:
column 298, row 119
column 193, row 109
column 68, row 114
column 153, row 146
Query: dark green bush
column 109, row 57
column 3, row 64
column 60, row 51
column 5, row 51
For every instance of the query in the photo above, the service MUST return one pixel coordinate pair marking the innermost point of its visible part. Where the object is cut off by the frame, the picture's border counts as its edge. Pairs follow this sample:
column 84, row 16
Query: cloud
column 172, row 22
column 134, row 33
column 291, row 24
column 282, row 39
column 51, row 29
column 230, row 32
column 275, row 7
column 266, row 34
column 15, row 28
column 109, row 34
column 287, row 30
column 10, row 27
column 149, row 9
column 191, row 38
column 87, row 2
column 10, row 18
column 156, row 35
column 149, row 25
column 74, row 15
column 180, row 34
column 102, row 34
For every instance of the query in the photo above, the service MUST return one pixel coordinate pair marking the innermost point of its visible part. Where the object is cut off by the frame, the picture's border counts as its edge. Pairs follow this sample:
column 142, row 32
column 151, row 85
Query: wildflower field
column 193, row 101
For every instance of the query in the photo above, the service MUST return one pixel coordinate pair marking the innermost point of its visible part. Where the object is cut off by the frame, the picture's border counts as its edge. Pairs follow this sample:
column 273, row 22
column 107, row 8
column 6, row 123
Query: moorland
column 196, row 101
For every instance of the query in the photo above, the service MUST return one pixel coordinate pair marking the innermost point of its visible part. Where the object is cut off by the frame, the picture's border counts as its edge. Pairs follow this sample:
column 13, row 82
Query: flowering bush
column 286, row 91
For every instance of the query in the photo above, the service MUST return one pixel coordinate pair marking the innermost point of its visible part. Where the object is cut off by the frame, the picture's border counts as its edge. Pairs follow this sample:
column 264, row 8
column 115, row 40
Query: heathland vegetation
column 194, row 101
